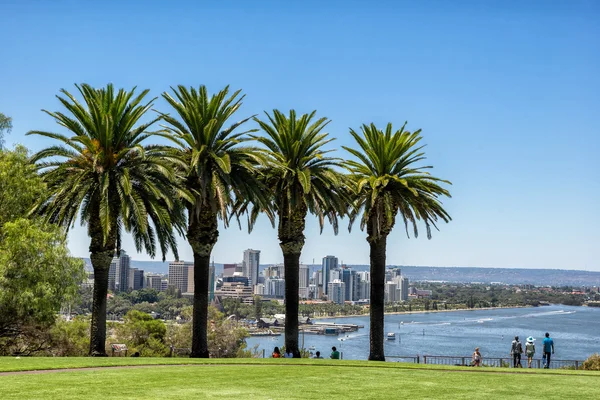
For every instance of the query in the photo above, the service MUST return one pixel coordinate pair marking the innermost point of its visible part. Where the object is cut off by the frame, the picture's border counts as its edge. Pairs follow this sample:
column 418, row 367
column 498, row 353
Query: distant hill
column 513, row 276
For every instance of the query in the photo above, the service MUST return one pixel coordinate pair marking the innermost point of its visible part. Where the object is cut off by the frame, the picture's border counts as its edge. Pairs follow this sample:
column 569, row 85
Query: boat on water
column 391, row 336
column 265, row 333
column 312, row 348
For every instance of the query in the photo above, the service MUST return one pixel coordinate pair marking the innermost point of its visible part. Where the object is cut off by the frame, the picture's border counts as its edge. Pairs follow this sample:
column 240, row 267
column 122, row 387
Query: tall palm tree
column 103, row 171
column 217, row 172
column 386, row 181
column 301, row 179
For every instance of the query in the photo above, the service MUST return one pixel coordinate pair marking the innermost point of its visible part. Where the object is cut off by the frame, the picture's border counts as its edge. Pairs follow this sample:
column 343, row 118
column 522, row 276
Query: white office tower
column 304, row 279
column 179, row 275
column 364, row 275
column 391, row 292
column 329, row 263
column 364, row 290
column 259, row 289
column 153, row 281
column 337, row 291
column 335, row 275
column 250, row 265
column 275, row 287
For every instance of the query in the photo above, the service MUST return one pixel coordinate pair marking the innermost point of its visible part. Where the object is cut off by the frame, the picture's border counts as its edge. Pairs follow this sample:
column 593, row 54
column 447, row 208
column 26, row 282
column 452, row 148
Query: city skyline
column 506, row 95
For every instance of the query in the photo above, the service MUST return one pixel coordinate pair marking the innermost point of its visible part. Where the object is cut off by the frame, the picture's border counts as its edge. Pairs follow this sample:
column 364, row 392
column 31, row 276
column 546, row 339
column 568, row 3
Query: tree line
column 105, row 171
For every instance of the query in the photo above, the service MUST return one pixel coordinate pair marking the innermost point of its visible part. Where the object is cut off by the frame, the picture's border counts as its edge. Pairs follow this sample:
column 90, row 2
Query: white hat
column 530, row 339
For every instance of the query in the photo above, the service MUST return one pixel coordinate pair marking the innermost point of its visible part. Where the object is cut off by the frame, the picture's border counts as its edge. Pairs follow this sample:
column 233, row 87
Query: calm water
column 575, row 330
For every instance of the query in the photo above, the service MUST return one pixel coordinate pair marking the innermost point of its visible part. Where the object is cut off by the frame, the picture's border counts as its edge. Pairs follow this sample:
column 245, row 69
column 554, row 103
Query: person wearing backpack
column 530, row 350
column 516, row 350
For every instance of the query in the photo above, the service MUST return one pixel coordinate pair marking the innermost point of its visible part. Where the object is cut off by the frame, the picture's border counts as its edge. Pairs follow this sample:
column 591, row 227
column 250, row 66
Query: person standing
column 476, row 358
column 530, row 350
column 516, row 349
column 548, row 345
column 335, row 355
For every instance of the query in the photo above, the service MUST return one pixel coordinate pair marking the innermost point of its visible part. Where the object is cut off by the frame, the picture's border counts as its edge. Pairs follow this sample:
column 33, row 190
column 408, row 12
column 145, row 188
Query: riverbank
column 420, row 312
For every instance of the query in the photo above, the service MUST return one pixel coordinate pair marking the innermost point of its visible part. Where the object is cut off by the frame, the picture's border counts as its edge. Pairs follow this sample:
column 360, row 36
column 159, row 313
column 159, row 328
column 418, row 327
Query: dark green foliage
column 385, row 181
column 103, row 171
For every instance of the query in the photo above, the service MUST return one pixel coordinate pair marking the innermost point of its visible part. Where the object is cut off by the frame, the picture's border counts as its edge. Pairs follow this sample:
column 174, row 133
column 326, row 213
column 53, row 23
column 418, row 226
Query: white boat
column 312, row 348
column 391, row 336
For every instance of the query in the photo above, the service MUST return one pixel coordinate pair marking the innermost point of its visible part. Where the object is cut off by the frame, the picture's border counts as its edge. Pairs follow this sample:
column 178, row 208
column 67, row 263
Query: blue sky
column 507, row 94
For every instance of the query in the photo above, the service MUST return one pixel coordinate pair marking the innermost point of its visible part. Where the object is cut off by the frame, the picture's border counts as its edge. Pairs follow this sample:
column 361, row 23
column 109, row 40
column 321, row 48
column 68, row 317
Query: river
column 575, row 330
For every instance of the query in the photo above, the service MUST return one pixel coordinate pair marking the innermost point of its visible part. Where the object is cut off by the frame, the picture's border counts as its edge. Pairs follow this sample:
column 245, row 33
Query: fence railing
column 486, row 362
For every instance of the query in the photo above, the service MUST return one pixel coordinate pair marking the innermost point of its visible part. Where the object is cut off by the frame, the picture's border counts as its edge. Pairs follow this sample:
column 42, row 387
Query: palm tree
column 301, row 179
column 385, row 182
column 103, row 171
column 217, row 172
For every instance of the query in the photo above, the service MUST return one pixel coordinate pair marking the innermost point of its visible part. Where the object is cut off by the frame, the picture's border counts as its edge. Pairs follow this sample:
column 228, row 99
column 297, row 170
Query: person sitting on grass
column 276, row 352
column 318, row 355
column 335, row 355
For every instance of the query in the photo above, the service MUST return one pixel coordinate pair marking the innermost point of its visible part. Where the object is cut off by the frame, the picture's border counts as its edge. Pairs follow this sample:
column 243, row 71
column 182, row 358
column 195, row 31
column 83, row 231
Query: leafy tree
column 143, row 333
column 37, row 276
column 225, row 337
column 20, row 185
column 5, row 127
column 103, row 170
column 217, row 171
column 70, row 338
column 301, row 179
column 386, row 181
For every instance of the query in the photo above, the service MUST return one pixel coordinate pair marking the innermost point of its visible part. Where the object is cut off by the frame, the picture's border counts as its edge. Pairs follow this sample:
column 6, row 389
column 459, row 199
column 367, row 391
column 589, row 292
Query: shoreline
column 419, row 312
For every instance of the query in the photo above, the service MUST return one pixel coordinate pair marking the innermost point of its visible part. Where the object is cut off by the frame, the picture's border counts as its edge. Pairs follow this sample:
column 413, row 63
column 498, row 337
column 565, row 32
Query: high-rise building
column 179, row 273
column 391, row 292
column 136, row 279
column 364, row 291
column 336, row 291
column 275, row 287
column 329, row 263
column 118, row 273
column 251, row 264
column 335, row 274
column 304, row 279
column 403, row 287
column 228, row 269
column 154, row 281
column 259, row 289
column 349, row 277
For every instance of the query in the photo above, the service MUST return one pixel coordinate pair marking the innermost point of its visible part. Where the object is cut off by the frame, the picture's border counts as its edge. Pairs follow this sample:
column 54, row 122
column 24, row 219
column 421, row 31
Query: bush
column 70, row 338
column 592, row 363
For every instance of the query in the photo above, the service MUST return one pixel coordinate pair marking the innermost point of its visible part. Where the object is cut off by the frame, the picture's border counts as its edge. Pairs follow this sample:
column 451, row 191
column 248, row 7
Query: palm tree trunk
column 202, row 235
column 377, row 308
column 200, row 313
column 101, row 255
column 292, row 220
column 291, row 263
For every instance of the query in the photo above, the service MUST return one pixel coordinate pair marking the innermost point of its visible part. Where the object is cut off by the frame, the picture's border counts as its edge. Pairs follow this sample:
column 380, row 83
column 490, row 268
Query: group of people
column 335, row 355
column 516, row 350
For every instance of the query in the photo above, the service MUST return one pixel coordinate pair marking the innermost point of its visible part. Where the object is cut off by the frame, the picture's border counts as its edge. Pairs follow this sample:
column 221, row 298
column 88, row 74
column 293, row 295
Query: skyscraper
column 251, row 264
column 304, row 276
column 329, row 263
column 136, row 278
column 179, row 273
column 337, row 291
column 118, row 273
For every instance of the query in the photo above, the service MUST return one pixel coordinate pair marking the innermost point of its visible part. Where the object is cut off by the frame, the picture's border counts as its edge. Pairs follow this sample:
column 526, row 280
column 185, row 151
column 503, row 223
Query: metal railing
column 486, row 362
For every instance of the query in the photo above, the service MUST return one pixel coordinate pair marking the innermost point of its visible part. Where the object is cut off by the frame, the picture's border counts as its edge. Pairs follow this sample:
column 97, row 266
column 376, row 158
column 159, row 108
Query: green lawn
column 283, row 379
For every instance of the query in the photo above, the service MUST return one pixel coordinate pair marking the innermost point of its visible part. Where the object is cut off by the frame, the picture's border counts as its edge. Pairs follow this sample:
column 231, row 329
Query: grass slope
column 286, row 379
